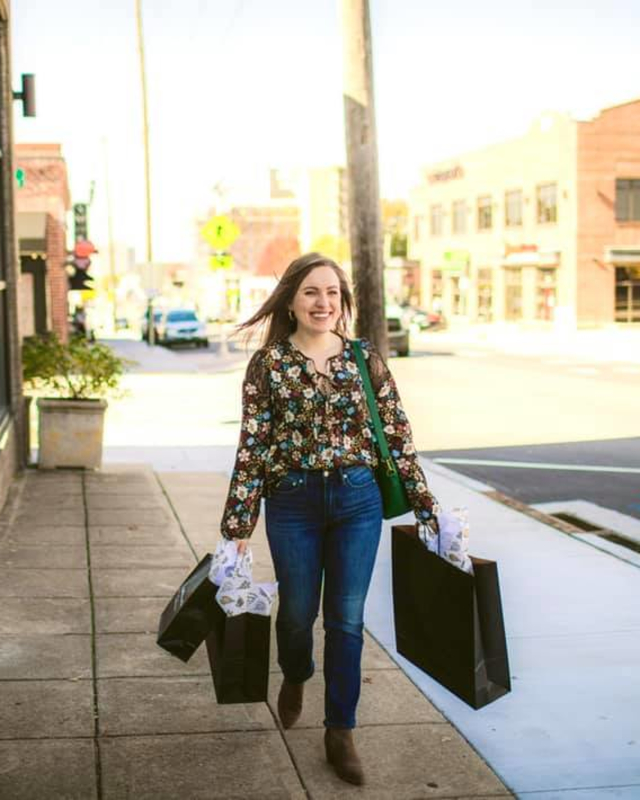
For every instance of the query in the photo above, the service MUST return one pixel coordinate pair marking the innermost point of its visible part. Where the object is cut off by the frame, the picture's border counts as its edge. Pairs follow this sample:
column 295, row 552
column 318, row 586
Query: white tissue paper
column 237, row 593
column 452, row 541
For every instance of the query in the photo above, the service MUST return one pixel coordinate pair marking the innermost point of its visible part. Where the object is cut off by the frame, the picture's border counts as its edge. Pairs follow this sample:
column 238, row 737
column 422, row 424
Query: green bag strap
column 373, row 407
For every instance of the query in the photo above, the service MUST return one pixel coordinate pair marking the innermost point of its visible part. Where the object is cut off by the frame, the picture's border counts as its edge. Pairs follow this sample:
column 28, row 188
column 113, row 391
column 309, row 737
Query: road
column 463, row 402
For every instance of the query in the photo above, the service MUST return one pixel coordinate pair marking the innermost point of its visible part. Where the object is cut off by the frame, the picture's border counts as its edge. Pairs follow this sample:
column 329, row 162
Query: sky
column 238, row 86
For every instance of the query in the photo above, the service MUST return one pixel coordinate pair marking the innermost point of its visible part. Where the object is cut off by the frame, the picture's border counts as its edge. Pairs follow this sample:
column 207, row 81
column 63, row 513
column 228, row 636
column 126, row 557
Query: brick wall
column 608, row 148
column 46, row 190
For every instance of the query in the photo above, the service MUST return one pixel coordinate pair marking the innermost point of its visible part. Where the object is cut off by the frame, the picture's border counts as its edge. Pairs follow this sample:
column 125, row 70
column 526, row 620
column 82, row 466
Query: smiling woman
column 307, row 446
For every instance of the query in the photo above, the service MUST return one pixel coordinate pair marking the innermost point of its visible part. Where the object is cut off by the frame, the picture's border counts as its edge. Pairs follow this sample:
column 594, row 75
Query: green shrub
column 78, row 370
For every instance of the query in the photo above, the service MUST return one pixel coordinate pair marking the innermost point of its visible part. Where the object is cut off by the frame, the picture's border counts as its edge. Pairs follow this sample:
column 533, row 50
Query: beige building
column 321, row 194
column 540, row 230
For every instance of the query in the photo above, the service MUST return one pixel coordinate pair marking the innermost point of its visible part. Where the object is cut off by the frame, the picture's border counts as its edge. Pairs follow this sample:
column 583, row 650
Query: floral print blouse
column 294, row 417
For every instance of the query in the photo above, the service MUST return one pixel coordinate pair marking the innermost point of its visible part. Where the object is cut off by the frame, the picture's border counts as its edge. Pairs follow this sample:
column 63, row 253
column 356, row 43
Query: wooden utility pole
column 365, row 229
column 147, row 165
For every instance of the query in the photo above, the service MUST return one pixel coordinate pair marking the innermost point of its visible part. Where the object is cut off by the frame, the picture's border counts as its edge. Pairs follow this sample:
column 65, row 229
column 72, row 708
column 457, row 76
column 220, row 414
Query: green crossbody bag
column 394, row 497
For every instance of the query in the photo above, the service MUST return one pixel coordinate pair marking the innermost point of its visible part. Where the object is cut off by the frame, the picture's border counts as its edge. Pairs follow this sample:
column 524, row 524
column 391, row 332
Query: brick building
column 540, row 230
column 11, row 402
column 42, row 202
column 269, row 238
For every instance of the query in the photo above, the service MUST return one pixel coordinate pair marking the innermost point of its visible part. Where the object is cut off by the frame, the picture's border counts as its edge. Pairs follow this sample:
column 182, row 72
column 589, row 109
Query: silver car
column 181, row 325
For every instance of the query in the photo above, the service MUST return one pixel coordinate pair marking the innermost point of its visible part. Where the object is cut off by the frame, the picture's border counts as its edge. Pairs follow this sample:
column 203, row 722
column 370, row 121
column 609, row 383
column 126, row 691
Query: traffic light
column 80, row 279
column 79, row 262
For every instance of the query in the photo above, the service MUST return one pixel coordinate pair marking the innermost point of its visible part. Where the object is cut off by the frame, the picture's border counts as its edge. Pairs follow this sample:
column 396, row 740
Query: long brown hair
column 273, row 314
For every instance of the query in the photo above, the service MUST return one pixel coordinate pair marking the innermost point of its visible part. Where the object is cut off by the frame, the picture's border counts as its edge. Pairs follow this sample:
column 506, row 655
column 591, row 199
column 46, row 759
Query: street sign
column 220, row 232
column 79, row 221
column 221, row 261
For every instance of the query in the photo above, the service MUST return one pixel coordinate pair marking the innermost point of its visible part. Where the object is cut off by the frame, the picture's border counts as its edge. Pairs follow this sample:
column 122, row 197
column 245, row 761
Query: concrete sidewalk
column 90, row 707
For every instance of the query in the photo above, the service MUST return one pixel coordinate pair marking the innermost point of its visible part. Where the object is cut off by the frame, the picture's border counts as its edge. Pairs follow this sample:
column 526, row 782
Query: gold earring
column 292, row 316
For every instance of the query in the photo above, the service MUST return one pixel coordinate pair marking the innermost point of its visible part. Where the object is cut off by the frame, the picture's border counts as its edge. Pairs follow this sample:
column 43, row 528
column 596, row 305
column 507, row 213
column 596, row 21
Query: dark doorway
column 36, row 266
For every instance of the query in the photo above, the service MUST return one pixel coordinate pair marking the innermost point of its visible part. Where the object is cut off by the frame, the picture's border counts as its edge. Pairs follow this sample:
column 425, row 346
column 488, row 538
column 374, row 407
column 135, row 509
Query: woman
column 306, row 445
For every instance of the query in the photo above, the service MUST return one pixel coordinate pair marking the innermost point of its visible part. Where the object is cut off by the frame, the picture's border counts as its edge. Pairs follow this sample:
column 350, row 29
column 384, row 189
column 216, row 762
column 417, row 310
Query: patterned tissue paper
column 452, row 540
column 237, row 593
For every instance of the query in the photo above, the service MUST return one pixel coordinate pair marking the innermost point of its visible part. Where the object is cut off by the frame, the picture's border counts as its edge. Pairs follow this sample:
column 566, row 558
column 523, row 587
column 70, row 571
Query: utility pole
column 112, row 255
column 147, row 166
column 365, row 229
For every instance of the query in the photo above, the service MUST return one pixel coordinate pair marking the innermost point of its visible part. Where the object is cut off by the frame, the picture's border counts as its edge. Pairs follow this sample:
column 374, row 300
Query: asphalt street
column 605, row 472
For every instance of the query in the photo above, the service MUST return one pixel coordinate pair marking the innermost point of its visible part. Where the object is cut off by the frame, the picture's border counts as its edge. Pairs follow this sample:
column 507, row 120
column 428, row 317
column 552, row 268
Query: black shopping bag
column 238, row 649
column 190, row 614
column 449, row 623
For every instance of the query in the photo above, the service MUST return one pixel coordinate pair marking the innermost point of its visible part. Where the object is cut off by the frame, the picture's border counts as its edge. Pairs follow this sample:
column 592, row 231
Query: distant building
column 269, row 238
column 42, row 202
column 538, row 230
column 321, row 195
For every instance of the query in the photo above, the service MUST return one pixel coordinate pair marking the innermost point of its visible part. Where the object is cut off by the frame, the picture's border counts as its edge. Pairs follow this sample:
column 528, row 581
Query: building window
column 485, row 213
column 418, row 223
column 627, row 294
column 436, row 220
column 545, row 293
column 628, row 199
column 485, row 295
column 513, row 294
column 547, row 202
column 513, row 208
column 436, row 290
column 459, row 216
column 457, row 297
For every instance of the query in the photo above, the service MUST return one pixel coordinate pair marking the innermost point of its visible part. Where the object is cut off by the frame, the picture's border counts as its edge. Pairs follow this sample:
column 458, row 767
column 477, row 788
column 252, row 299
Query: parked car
column 181, row 325
column 420, row 319
column 397, row 332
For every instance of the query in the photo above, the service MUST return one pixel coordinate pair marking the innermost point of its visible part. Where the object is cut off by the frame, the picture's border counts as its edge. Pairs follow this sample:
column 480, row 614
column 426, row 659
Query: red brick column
column 57, row 276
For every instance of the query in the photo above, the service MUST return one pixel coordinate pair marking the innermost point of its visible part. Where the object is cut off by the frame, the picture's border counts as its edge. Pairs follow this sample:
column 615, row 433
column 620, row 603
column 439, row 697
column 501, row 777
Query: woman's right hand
column 242, row 545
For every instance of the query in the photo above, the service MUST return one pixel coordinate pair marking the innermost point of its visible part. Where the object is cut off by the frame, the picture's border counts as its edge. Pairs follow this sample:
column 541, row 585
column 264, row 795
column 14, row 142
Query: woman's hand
column 242, row 545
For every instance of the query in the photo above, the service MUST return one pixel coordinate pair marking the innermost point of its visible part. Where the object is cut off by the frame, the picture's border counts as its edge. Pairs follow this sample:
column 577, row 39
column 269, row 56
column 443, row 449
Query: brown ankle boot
column 290, row 703
column 342, row 755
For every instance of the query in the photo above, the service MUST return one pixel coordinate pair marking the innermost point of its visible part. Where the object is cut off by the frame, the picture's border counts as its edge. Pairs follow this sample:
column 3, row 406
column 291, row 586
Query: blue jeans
column 324, row 522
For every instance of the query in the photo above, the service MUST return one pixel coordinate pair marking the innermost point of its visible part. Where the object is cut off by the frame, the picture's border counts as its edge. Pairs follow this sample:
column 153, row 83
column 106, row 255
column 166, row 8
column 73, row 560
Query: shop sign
column 444, row 175
column 455, row 260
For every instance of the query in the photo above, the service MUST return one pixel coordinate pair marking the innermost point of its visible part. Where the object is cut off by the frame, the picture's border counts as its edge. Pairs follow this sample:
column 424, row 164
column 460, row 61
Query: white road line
column 586, row 370
column 537, row 465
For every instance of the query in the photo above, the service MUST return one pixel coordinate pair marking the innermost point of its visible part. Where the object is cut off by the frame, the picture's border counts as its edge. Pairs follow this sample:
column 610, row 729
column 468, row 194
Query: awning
column 533, row 258
column 624, row 256
column 31, row 228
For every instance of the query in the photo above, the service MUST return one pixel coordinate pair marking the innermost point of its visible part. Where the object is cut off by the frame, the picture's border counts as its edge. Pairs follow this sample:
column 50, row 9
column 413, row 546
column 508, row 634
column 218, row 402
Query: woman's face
column 318, row 302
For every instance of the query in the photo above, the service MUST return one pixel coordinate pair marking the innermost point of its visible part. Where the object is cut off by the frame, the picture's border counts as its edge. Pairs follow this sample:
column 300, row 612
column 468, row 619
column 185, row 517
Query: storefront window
column 627, row 294
column 513, row 208
column 485, row 295
column 513, row 294
column 436, row 290
column 4, row 339
column 545, row 293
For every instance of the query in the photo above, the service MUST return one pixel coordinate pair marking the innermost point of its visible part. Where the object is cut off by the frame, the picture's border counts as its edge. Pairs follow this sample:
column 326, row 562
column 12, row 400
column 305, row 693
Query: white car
column 181, row 325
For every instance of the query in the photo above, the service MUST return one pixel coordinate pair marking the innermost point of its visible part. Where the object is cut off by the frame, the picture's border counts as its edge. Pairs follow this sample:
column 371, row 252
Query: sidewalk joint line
column 94, row 656
column 175, row 514
column 287, row 747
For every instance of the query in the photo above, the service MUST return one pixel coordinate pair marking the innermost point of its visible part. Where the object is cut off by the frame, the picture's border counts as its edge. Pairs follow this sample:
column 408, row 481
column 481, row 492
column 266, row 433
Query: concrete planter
column 70, row 433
